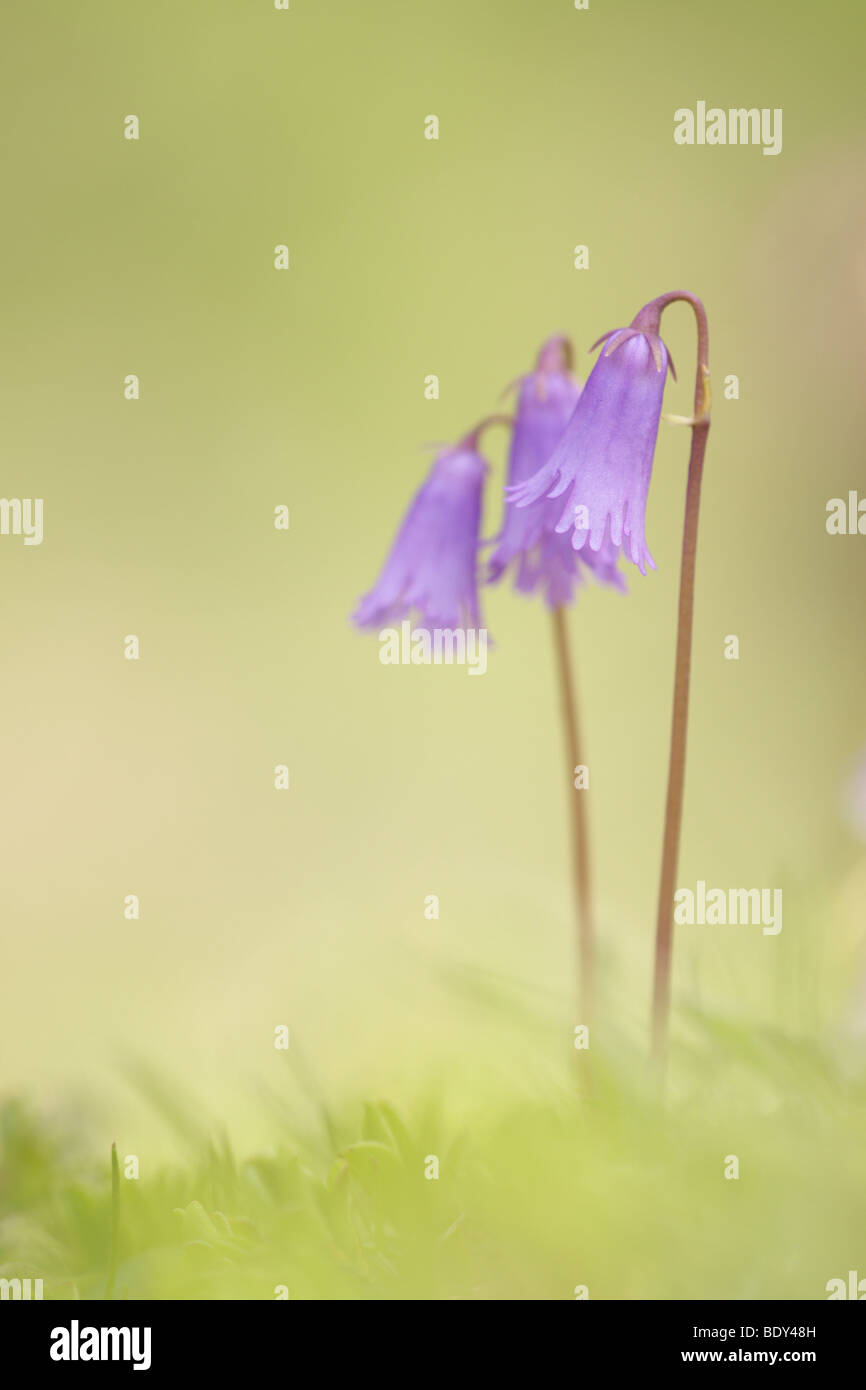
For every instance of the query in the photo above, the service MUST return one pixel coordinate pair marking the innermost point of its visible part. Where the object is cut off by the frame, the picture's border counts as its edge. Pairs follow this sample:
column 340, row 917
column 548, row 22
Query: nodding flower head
column 598, row 475
column 544, row 559
column 432, row 567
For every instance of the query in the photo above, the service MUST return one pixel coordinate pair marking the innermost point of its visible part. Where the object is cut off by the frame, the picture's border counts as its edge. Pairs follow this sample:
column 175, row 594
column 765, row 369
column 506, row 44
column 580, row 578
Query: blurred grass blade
column 115, row 1224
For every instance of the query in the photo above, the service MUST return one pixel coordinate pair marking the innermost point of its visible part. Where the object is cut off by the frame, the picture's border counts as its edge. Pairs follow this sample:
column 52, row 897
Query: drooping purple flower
column 541, row 557
column 432, row 567
column 603, row 462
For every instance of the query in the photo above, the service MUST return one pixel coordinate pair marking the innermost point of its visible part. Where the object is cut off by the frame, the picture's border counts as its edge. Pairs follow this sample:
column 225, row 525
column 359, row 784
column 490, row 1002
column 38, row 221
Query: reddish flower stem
column 473, row 438
column 578, row 820
column 700, row 425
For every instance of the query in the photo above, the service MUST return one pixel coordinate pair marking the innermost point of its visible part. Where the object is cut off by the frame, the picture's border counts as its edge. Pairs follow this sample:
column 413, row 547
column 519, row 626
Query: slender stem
column 471, row 440
column 579, row 826
column 115, row 1225
column 700, row 425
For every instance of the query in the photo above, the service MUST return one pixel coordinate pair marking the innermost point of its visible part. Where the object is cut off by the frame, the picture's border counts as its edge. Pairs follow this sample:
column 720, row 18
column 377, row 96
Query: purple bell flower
column 432, row 567
column 543, row 558
column 603, row 462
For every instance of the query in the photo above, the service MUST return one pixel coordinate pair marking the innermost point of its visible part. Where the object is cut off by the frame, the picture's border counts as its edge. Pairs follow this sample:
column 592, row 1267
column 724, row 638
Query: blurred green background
column 306, row 387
